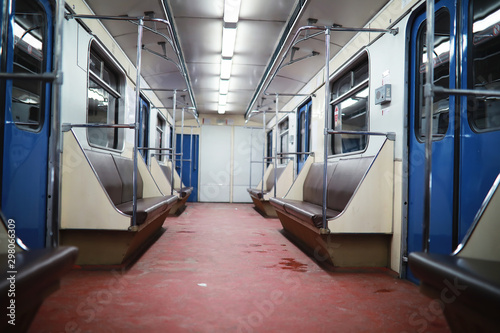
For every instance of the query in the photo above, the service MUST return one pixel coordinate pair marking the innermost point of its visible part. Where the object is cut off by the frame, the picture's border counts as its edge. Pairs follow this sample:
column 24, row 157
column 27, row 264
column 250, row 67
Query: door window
column 30, row 26
column 484, row 53
column 350, row 109
column 441, row 108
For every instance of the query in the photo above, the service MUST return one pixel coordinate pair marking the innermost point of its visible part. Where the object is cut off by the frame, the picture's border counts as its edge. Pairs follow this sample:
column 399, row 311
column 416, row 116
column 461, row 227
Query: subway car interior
column 250, row 166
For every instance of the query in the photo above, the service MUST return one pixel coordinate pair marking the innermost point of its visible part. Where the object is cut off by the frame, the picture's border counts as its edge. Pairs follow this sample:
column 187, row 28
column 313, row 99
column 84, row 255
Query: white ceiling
column 198, row 27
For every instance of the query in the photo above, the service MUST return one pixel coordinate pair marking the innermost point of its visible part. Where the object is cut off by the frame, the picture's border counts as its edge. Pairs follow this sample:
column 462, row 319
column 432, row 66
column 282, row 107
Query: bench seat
column 255, row 192
column 38, row 275
column 115, row 174
column 148, row 208
column 261, row 196
column 183, row 191
column 467, row 283
column 305, row 211
column 468, row 287
column 343, row 177
column 260, row 192
column 359, row 199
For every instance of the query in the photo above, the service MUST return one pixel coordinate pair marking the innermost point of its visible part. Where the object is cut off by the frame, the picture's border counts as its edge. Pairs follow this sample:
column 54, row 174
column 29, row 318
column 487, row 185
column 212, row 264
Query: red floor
column 224, row 268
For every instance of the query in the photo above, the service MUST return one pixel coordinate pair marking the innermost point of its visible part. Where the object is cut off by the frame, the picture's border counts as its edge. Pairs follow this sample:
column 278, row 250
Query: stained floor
column 224, row 268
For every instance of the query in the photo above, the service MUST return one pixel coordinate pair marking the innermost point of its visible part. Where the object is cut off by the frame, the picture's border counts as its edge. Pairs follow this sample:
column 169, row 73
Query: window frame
column 472, row 102
column 350, row 69
column 283, row 132
column 37, row 125
column 419, row 72
column 109, row 62
column 160, row 128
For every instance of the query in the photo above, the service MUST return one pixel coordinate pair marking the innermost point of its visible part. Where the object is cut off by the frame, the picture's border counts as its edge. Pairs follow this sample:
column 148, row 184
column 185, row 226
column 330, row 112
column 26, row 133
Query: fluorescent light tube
column 222, row 99
column 232, row 10
column 228, row 41
column 223, row 87
column 225, row 68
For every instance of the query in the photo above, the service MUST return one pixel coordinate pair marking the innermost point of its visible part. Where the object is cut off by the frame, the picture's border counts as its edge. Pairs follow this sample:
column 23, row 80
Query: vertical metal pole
column 263, row 151
column 182, row 145
column 137, row 112
column 191, row 158
column 429, row 100
column 251, row 159
column 55, row 144
column 276, row 146
column 325, row 141
column 174, row 145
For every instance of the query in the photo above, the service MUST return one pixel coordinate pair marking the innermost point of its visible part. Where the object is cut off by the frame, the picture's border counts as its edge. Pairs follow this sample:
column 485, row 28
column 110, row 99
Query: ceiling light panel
column 228, row 40
column 223, row 87
column 232, row 10
column 225, row 68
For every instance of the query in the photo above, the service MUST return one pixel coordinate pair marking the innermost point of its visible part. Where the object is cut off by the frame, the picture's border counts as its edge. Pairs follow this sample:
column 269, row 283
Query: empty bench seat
column 115, row 174
column 284, row 180
column 466, row 284
column 259, row 192
column 97, row 205
column 359, row 209
column 183, row 191
column 37, row 275
column 343, row 177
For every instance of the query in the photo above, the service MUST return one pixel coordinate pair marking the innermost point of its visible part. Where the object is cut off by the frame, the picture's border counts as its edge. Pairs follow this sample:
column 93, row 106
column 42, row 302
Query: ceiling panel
column 198, row 24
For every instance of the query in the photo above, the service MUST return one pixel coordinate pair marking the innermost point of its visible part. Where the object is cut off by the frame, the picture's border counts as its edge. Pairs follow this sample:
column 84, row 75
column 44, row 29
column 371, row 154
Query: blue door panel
column 25, row 154
column 465, row 156
column 189, row 170
column 443, row 163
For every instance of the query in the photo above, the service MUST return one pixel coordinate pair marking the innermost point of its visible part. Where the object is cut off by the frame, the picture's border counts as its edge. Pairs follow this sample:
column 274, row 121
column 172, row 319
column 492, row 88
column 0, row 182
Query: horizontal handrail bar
column 390, row 135
column 66, row 127
column 25, row 76
column 467, row 92
column 116, row 18
column 151, row 148
column 290, row 94
column 297, row 153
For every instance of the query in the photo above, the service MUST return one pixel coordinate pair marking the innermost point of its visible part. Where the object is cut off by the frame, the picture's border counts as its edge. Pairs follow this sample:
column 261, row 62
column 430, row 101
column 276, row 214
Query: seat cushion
column 278, row 203
column 309, row 212
column 257, row 193
column 345, row 180
column 148, row 208
column 313, row 184
column 38, row 274
column 472, row 282
column 304, row 211
column 185, row 191
column 107, row 173
column 125, row 167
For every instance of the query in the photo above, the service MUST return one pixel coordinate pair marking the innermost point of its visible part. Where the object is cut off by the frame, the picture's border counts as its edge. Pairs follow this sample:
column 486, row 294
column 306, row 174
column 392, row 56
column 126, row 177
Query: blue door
column 188, row 168
column 303, row 130
column 465, row 159
column 480, row 117
column 26, row 48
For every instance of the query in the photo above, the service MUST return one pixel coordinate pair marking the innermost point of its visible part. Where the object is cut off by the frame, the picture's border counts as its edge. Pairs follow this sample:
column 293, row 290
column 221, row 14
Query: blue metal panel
column 25, row 154
column 479, row 159
column 189, row 170
column 443, row 157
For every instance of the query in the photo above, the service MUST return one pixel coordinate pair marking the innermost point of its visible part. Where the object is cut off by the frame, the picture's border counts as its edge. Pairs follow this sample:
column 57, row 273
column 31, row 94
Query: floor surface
column 225, row 268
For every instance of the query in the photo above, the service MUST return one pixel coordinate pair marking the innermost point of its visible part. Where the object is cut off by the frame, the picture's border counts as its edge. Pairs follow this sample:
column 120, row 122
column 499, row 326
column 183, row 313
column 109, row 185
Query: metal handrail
column 67, row 126
column 47, row 76
column 297, row 153
column 389, row 135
